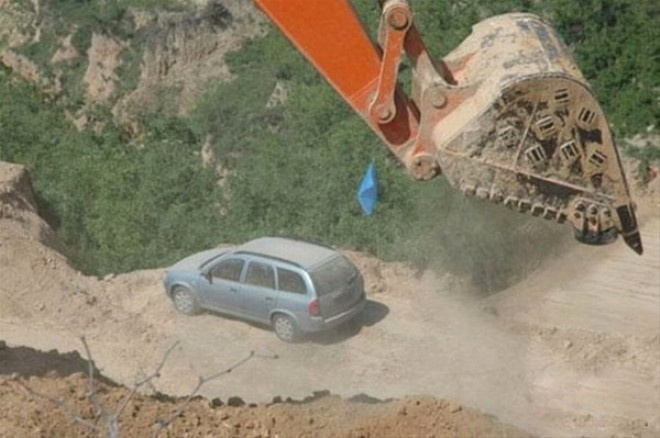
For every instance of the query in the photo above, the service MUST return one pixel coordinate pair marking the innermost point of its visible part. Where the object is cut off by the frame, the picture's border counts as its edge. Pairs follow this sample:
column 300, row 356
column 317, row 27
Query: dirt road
column 573, row 350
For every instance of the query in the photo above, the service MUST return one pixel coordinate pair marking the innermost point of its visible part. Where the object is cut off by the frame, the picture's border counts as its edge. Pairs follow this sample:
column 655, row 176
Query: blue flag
column 368, row 192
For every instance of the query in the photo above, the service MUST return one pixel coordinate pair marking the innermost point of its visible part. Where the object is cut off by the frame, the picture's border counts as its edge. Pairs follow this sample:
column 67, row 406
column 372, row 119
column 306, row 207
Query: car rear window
column 332, row 275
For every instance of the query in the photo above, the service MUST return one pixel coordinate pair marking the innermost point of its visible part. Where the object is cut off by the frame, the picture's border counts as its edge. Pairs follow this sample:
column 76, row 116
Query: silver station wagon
column 294, row 286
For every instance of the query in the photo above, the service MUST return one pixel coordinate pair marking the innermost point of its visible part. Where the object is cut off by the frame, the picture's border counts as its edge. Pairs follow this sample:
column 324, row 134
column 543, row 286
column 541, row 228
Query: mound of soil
column 48, row 394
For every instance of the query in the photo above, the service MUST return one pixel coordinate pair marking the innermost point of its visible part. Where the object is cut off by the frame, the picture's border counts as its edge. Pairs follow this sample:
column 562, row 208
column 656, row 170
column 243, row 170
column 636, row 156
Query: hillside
column 572, row 357
column 154, row 128
column 134, row 132
column 129, row 324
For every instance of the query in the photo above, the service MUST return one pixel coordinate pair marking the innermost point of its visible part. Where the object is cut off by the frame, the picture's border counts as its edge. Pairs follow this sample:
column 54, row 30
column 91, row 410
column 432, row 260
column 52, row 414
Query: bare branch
column 111, row 426
column 201, row 381
column 99, row 410
column 147, row 379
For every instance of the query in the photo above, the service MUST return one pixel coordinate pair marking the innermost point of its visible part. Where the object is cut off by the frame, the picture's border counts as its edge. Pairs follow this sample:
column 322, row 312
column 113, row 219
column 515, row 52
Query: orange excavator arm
column 332, row 37
column 507, row 115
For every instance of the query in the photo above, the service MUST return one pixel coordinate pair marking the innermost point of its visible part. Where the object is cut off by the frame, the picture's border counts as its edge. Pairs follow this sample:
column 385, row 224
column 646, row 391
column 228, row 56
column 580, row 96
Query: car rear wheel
column 185, row 301
column 285, row 328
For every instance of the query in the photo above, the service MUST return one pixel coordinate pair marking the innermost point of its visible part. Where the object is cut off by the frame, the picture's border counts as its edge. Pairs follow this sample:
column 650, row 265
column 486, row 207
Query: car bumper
column 320, row 324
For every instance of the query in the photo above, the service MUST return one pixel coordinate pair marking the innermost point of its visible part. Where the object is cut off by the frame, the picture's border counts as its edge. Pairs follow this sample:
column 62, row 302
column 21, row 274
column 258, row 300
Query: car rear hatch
column 339, row 286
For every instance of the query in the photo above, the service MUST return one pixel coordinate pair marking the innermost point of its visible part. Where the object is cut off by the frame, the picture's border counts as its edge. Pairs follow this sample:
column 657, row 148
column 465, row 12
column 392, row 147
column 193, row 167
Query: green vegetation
column 617, row 45
column 648, row 156
column 120, row 202
column 115, row 206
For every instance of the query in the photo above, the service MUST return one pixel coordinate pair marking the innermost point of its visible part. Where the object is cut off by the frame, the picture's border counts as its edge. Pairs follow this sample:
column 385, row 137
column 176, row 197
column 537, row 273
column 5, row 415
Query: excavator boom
column 506, row 116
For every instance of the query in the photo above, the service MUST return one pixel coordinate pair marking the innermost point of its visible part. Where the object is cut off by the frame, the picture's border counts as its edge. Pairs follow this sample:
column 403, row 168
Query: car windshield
column 206, row 262
column 332, row 275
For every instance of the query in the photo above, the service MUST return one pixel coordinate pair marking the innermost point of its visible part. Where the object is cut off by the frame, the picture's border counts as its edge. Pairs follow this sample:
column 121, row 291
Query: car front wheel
column 185, row 301
column 285, row 328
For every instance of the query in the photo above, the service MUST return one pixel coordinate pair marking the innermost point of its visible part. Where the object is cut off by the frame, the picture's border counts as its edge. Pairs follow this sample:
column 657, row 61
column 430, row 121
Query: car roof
column 301, row 253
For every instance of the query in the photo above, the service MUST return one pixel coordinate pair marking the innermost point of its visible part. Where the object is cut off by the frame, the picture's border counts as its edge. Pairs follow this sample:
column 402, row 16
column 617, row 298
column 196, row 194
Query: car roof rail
column 267, row 256
column 300, row 238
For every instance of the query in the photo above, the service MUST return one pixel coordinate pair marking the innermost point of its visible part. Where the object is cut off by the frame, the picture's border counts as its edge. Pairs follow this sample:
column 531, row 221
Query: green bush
column 116, row 206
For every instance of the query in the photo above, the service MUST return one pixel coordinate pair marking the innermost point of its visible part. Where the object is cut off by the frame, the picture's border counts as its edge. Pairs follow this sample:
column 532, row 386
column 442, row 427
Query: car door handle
column 233, row 289
column 269, row 299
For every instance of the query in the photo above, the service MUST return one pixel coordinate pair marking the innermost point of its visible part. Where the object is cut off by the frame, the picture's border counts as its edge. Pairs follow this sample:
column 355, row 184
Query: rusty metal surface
column 532, row 136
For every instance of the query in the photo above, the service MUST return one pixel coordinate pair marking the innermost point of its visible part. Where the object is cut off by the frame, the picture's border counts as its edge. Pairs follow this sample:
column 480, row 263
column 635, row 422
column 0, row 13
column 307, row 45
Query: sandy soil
column 573, row 350
column 319, row 415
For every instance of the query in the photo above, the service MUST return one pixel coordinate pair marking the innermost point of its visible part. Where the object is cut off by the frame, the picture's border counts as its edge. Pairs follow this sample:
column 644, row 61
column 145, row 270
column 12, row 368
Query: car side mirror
column 208, row 276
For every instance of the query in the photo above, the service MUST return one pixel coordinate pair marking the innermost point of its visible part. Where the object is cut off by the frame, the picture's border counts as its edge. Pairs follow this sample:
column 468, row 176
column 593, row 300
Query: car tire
column 285, row 328
column 184, row 301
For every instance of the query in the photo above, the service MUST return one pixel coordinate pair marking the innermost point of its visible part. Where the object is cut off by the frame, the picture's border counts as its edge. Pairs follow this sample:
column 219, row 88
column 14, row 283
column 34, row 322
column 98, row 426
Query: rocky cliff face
column 136, row 61
column 184, row 52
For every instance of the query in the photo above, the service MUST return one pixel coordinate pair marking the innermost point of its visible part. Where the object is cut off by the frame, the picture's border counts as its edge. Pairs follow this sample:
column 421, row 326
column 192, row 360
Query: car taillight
column 314, row 308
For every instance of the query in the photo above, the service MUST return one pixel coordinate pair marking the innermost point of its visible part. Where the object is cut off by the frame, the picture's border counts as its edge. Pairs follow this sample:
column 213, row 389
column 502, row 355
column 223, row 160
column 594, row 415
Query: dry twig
column 201, row 381
column 111, row 421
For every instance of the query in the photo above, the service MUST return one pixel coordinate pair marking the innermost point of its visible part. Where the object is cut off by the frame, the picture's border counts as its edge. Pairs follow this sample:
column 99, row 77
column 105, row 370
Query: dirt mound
column 17, row 204
column 393, row 278
column 320, row 415
column 27, row 247
column 38, row 282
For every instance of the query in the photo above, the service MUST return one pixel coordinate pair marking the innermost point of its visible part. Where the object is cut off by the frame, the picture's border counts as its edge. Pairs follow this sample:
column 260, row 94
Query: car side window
column 290, row 281
column 229, row 269
column 260, row 274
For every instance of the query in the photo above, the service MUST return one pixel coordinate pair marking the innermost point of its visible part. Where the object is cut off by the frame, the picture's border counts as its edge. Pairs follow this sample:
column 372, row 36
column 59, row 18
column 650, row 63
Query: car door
column 222, row 286
column 259, row 293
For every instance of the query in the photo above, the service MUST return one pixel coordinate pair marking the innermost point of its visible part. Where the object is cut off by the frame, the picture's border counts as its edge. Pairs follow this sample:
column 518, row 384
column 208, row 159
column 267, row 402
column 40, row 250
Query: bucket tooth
column 550, row 213
column 537, row 209
column 634, row 241
column 496, row 196
column 469, row 189
column 524, row 205
column 482, row 193
column 511, row 202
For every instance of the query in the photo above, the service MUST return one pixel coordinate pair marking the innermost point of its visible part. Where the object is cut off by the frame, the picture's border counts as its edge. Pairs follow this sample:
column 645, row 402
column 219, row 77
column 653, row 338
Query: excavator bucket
column 532, row 135
column 507, row 116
